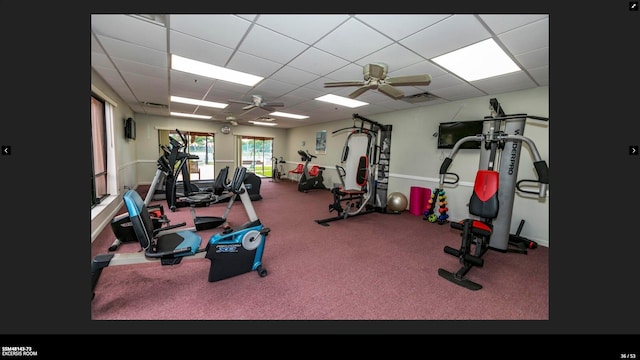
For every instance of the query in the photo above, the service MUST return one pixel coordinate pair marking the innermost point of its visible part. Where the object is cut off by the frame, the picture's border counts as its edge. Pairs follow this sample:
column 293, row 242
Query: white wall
column 415, row 159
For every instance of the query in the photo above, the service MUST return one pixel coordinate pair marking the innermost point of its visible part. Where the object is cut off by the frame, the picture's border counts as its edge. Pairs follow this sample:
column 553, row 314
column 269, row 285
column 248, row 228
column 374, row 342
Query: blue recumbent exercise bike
column 232, row 252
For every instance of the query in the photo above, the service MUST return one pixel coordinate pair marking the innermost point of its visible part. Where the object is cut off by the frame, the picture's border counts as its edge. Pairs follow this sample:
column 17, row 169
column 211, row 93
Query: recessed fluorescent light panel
column 215, row 72
column 191, row 115
column 339, row 100
column 287, row 115
column 478, row 61
column 262, row 123
column 210, row 104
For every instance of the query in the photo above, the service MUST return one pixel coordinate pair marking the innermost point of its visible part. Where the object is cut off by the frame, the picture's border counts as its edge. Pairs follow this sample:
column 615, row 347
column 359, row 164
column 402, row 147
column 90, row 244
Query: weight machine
column 494, row 190
column 367, row 149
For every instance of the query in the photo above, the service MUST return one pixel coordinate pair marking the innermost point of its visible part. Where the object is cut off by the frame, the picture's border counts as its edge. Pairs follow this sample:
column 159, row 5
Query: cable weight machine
column 364, row 170
column 491, row 204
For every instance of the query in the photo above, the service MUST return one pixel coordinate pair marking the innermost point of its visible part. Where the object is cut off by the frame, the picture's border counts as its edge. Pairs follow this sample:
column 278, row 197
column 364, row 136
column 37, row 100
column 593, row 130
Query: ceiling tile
column 189, row 85
column 139, row 68
column 253, row 65
column 148, row 88
column 130, row 29
column 304, row 27
column 450, row 34
column 500, row 23
column 394, row 55
column 444, row 81
column 526, row 38
column 196, row 49
column 270, row 45
column 273, row 89
column 458, row 92
column 400, row 26
column 125, row 50
column 540, row 75
column 515, row 81
column 317, row 62
column 534, row 59
column 422, row 67
column 294, row 76
column 225, row 30
column 340, row 42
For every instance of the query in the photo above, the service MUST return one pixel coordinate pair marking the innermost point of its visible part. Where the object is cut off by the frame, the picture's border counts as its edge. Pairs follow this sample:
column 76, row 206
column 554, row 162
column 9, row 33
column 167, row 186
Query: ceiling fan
column 375, row 77
column 227, row 118
column 258, row 102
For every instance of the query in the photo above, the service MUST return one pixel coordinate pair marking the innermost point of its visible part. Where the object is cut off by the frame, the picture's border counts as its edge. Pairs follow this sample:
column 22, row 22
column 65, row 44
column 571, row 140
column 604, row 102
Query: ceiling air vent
column 154, row 105
column 265, row 118
column 419, row 98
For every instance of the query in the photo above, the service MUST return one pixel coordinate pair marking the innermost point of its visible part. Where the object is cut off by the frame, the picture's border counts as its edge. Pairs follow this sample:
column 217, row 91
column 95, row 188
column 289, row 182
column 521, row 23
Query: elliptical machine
column 307, row 180
column 183, row 193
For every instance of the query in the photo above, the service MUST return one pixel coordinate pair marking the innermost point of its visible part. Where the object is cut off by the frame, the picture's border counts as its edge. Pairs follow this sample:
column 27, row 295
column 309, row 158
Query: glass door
column 256, row 155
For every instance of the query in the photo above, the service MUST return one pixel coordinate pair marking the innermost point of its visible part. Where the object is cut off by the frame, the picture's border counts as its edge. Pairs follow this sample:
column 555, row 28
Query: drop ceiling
column 297, row 54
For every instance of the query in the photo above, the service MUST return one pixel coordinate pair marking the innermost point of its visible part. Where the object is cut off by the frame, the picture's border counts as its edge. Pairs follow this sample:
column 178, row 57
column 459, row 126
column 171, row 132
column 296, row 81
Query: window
column 98, row 152
column 197, row 143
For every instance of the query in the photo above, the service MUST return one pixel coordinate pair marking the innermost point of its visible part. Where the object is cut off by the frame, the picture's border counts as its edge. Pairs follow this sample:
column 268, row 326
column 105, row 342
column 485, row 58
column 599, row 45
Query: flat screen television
column 130, row 129
column 450, row 132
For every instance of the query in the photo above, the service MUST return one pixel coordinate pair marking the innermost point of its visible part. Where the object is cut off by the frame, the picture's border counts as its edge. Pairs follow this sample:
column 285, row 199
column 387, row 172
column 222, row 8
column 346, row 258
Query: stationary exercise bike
column 121, row 224
column 232, row 252
column 278, row 168
column 310, row 180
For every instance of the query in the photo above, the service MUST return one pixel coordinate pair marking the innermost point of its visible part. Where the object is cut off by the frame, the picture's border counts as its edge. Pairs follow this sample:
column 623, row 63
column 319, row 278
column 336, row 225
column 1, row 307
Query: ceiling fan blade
column 248, row 107
column 409, row 80
column 358, row 92
column 240, row 102
column 391, row 91
column 344, row 83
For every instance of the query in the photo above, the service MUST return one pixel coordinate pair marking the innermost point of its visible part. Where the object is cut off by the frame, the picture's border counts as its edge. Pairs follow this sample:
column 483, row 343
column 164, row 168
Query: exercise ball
column 397, row 202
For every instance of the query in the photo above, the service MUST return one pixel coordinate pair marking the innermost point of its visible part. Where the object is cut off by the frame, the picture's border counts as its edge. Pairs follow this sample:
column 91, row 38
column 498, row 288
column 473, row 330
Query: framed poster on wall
column 321, row 142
